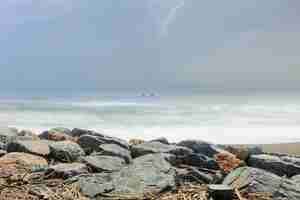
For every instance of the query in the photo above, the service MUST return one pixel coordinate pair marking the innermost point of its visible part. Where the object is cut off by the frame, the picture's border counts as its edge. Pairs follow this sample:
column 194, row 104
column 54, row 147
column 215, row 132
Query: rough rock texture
column 243, row 152
column 202, row 147
column 114, row 150
column 29, row 146
column 104, row 163
column 157, row 147
column 7, row 135
column 90, row 141
column 296, row 179
column 257, row 180
column 2, row 152
column 199, row 160
column 150, row 173
column 65, row 151
column 27, row 135
column 161, row 140
column 66, row 170
column 192, row 174
column 27, row 160
column 57, row 134
column 281, row 166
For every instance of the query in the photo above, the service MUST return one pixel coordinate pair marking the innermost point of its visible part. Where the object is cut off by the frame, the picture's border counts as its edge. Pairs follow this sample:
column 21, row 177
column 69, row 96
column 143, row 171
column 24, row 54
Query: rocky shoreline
column 84, row 164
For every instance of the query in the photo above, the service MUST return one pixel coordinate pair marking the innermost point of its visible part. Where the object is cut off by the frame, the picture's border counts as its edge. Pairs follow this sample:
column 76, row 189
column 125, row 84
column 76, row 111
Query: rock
column 27, row 135
column 161, row 140
column 57, row 134
column 192, row 174
column 29, row 146
column 2, row 153
column 296, row 179
column 221, row 192
column 114, row 150
column 66, row 170
column 202, row 147
column 281, row 166
column 227, row 161
column 157, row 147
column 254, row 180
column 65, row 151
column 94, row 184
column 199, row 160
column 243, row 152
column 133, row 142
column 2, row 146
column 150, row 173
column 7, row 135
column 104, row 163
column 91, row 141
column 24, row 159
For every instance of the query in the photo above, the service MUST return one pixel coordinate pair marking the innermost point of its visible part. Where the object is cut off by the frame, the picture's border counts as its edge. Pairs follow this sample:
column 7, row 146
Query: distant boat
column 148, row 95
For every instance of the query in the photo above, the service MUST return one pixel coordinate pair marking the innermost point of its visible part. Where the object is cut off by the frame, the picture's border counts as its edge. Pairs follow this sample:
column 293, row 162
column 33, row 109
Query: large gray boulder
column 114, row 150
column 150, row 173
column 157, row 147
column 202, row 147
column 29, row 146
column 66, row 170
column 104, row 163
column 280, row 165
column 65, row 151
column 7, row 135
column 90, row 141
column 254, row 180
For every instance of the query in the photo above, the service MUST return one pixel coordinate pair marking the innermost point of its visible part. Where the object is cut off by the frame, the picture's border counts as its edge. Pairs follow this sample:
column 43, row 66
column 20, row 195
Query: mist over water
column 220, row 118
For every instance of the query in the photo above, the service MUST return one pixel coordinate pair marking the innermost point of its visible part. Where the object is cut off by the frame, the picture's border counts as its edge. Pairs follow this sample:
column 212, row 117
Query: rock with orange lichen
column 227, row 161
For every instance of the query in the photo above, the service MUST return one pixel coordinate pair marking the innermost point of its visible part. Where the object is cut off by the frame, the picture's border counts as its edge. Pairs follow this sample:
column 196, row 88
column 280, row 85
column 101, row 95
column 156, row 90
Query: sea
column 218, row 117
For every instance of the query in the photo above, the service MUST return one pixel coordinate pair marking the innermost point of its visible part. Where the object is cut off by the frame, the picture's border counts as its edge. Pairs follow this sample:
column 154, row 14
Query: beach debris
column 227, row 161
column 220, row 192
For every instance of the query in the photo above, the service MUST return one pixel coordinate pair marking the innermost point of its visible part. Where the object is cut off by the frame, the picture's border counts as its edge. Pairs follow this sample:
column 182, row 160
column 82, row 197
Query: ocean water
column 216, row 117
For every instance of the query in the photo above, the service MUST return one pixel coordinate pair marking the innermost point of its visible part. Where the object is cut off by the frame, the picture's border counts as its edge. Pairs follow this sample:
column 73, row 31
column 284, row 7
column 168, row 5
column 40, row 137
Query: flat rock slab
column 67, row 170
column 199, row 146
column 30, row 161
column 29, row 146
column 104, row 163
column 150, row 173
column 280, row 165
column 157, row 147
column 255, row 180
column 114, row 150
column 65, row 151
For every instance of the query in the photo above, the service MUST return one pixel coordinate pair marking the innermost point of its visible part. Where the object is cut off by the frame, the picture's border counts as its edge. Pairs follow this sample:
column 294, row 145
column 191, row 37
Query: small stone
column 67, row 170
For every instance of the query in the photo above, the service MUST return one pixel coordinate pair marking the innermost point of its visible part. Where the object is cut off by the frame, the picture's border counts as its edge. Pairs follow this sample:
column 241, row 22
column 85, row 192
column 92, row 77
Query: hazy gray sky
column 65, row 44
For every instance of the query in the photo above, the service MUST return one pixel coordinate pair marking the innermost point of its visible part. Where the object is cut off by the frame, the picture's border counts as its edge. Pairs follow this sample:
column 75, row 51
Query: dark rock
column 192, row 174
column 281, row 166
column 65, row 151
column 91, row 141
column 66, row 170
column 2, row 153
column 199, row 160
column 220, row 192
column 243, row 152
column 8, row 135
column 3, row 146
column 114, row 150
column 104, row 163
column 95, row 184
column 29, row 146
column 202, row 147
column 253, row 180
column 57, row 134
column 161, row 140
column 157, row 147
column 150, row 173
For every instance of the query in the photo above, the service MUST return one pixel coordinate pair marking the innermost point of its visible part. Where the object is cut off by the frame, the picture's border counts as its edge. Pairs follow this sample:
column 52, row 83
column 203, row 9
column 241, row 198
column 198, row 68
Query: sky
column 137, row 44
